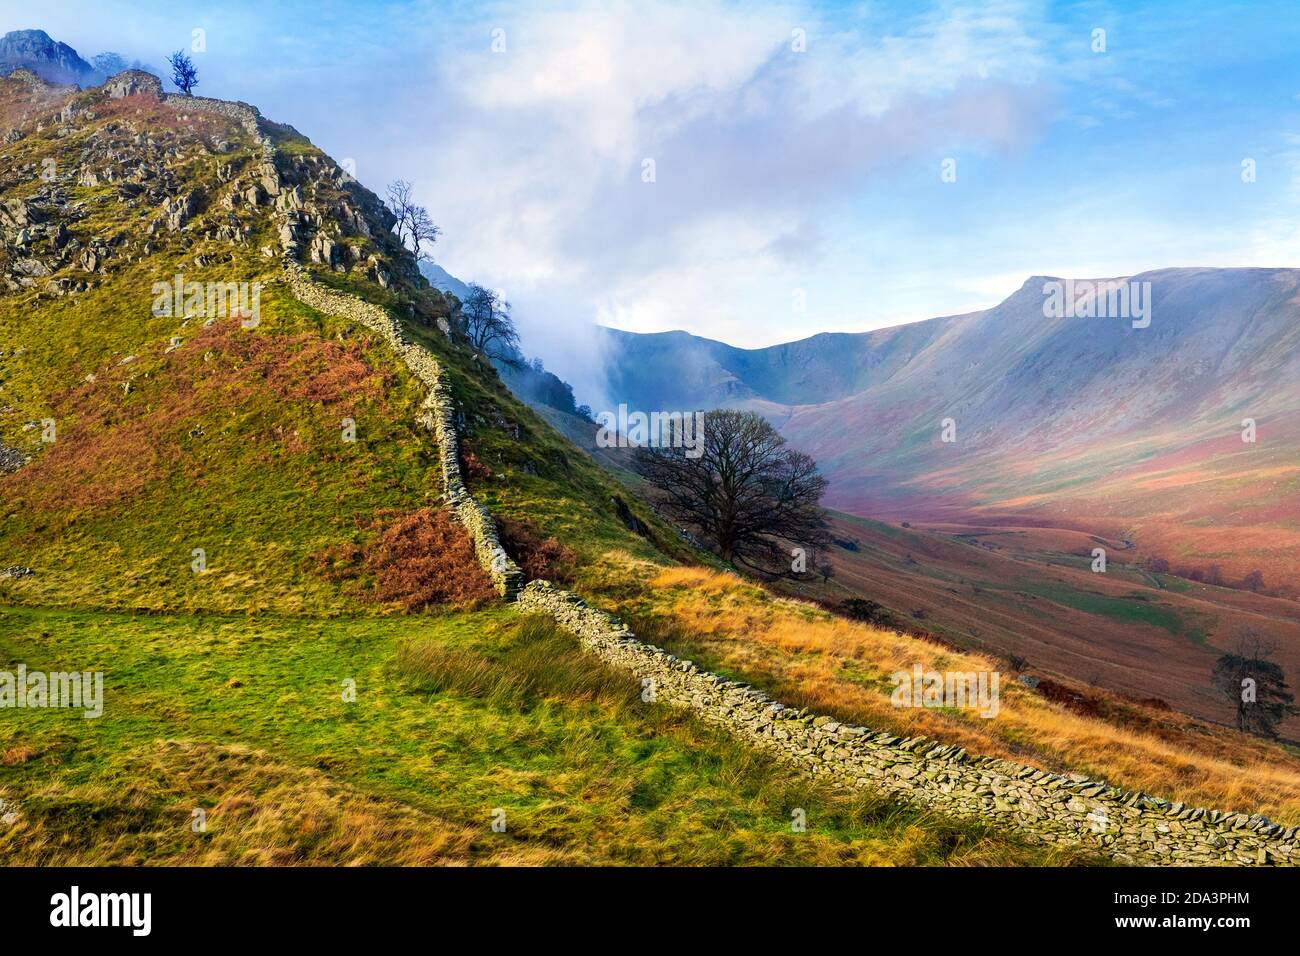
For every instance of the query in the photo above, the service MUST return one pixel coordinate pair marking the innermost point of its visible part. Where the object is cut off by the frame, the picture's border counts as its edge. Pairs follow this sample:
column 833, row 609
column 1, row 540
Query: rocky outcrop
column 133, row 82
column 26, row 77
column 1068, row 810
column 178, row 210
column 54, row 62
column 11, row 459
column 320, row 213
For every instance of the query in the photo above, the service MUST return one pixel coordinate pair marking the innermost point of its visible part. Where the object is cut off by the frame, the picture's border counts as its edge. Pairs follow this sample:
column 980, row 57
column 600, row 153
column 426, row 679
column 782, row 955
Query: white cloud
column 538, row 183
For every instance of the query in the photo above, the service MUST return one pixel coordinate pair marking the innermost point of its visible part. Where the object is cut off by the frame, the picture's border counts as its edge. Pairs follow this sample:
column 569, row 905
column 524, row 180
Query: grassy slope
column 231, row 443
column 805, row 656
column 224, row 688
column 1031, row 592
column 247, row 463
column 455, row 716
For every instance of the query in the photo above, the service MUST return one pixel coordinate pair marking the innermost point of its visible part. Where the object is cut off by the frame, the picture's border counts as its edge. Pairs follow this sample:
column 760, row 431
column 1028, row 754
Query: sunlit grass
column 807, row 657
column 455, row 716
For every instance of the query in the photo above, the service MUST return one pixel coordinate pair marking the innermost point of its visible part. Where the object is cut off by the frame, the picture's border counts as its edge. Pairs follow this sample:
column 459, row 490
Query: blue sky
column 783, row 178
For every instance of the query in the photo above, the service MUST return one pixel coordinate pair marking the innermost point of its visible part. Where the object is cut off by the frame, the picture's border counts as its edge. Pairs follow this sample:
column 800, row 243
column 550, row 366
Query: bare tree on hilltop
column 747, row 495
column 184, row 74
column 487, row 322
column 414, row 227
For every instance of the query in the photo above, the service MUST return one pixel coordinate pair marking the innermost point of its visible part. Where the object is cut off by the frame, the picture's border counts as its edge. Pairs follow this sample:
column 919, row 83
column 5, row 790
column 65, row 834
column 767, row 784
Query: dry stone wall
column 437, row 413
column 1053, row 808
column 1067, row 810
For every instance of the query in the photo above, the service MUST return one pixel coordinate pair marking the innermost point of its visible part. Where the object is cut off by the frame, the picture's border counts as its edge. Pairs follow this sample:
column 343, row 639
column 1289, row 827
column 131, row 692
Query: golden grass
column 806, row 656
column 259, row 812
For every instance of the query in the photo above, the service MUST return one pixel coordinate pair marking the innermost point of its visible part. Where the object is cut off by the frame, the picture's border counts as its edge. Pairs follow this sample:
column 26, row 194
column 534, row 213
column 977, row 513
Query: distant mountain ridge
column 56, row 62
column 1052, row 417
column 817, row 369
column 49, row 59
column 830, row 366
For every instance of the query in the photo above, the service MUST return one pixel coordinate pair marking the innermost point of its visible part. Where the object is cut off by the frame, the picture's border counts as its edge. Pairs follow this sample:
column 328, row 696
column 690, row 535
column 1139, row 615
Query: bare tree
column 413, row 226
column 744, row 492
column 184, row 74
column 399, row 201
column 488, row 326
column 423, row 233
column 1255, row 684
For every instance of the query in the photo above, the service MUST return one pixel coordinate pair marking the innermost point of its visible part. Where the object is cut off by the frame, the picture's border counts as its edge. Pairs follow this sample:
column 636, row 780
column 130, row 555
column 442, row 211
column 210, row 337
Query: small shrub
column 416, row 559
column 861, row 609
column 538, row 557
column 473, row 467
column 1078, row 702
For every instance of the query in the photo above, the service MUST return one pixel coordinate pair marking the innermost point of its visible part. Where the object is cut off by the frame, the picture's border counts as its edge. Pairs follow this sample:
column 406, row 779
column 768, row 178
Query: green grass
column 225, row 689
column 455, row 716
column 1136, row 608
column 259, row 479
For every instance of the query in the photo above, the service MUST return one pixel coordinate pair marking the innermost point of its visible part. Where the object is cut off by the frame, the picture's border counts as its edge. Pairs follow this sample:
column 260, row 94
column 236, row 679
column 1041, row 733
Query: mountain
column 705, row 373
column 1087, row 422
column 50, row 60
column 1068, row 435
column 442, row 280
column 231, row 413
column 235, row 512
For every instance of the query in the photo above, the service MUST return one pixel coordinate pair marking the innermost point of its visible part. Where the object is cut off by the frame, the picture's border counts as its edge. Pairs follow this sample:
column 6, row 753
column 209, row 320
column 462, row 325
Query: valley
column 1015, row 440
column 284, row 544
column 1031, row 593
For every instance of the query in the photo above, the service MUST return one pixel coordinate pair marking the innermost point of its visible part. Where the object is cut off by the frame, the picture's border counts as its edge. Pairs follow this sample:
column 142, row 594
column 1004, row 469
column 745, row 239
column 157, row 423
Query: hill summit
column 49, row 59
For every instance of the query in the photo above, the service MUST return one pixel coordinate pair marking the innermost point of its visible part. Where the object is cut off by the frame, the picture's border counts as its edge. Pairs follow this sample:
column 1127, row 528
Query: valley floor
column 1031, row 592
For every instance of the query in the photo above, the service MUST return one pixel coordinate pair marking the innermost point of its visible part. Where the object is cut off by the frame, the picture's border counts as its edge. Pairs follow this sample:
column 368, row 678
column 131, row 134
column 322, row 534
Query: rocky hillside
column 146, row 413
column 215, row 396
column 354, row 693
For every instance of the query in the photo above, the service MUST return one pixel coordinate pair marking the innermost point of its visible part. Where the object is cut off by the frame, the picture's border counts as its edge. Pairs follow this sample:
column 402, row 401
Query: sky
column 759, row 172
